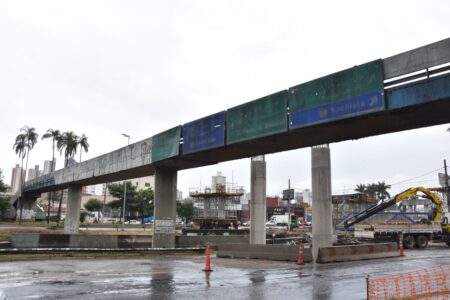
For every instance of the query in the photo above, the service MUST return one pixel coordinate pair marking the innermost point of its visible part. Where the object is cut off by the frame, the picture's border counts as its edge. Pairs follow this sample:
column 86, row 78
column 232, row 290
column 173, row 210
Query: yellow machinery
column 443, row 235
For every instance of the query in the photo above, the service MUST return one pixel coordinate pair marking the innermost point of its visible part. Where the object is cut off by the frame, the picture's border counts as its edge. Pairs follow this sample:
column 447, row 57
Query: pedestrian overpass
column 405, row 91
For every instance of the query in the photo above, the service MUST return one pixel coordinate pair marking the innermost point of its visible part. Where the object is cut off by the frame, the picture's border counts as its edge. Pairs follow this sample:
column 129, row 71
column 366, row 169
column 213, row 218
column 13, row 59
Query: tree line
column 375, row 190
column 139, row 202
column 66, row 142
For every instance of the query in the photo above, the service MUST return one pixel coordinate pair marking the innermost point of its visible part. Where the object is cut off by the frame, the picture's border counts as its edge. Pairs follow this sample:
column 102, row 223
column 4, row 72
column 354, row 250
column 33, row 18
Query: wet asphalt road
column 181, row 277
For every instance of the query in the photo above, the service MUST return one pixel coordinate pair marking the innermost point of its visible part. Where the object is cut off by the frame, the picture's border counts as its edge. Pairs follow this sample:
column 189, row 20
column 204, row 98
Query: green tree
column 83, row 215
column 4, row 204
column 84, row 145
column 3, row 186
column 67, row 143
column 93, row 205
column 381, row 190
column 24, row 143
column 375, row 190
column 143, row 202
column 55, row 135
column 185, row 210
column 360, row 188
column 116, row 190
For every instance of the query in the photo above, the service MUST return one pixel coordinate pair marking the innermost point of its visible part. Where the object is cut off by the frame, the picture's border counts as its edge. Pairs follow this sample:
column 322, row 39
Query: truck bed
column 370, row 231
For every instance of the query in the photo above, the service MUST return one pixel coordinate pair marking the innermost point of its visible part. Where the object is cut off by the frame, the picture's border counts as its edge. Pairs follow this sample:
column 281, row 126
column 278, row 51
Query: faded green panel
column 166, row 144
column 350, row 83
column 262, row 117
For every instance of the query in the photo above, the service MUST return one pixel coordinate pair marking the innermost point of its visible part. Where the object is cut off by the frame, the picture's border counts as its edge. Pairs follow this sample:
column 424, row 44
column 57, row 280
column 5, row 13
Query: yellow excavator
column 413, row 236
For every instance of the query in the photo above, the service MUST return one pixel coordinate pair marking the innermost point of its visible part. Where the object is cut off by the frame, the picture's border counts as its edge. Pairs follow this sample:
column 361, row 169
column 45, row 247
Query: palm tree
column 84, row 145
column 360, row 188
column 67, row 143
column 55, row 135
column 31, row 138
column 25, row 142
column 382, row 192
column 20, row 147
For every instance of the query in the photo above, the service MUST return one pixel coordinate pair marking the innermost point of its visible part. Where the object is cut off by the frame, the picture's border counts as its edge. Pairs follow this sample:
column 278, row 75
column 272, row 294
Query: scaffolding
column 216, row 207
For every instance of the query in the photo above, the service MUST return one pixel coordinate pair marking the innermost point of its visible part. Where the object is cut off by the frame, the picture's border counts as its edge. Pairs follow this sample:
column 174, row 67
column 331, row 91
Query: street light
column 124, row 189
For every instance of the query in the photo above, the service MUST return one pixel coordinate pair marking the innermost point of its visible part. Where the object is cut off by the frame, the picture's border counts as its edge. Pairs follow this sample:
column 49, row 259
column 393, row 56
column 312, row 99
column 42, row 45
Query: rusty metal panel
column 345, row 94
column 166, row 144
column 259, row 118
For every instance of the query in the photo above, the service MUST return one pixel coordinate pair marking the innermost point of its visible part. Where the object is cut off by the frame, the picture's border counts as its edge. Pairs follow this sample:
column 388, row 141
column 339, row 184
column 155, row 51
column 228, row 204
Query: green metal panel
column 262, row 117
column 346, row 84
column 166, row 144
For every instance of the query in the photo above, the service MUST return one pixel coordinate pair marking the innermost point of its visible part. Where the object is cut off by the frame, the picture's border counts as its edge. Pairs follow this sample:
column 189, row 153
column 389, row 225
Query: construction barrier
column 433, row 283
column 270, row 252
column 357, row 252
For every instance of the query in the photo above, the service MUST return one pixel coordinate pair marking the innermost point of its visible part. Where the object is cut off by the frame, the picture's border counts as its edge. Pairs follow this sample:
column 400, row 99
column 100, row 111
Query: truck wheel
column 421, row 241
column 409, row 242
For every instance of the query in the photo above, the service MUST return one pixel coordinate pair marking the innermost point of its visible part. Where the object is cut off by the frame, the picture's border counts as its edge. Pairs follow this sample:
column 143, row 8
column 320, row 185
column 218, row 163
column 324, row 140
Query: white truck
column 278, row 220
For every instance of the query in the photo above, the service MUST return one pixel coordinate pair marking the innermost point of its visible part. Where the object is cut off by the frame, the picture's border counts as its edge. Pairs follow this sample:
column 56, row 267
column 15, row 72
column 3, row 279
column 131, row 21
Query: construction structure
column 347, row 204
column 217, row 207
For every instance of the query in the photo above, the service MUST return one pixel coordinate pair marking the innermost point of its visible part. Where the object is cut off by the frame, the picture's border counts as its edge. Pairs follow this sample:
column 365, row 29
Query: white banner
column 165, row 226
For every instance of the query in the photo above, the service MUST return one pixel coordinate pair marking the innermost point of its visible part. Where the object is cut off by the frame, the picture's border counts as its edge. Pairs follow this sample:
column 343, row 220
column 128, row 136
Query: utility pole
column 289, row 207
column 447, row 189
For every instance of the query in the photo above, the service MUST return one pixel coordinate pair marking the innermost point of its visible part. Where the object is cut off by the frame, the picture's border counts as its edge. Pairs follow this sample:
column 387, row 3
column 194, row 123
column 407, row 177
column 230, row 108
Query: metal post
column 124, row 189
column 447, row 189
column 124, row 202
column 289, row 207
column 104, row 202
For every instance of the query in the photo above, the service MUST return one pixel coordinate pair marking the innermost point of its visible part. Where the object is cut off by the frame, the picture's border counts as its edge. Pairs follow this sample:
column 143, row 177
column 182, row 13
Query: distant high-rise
column 48, row 166
column 33, row 173
column 15, row 178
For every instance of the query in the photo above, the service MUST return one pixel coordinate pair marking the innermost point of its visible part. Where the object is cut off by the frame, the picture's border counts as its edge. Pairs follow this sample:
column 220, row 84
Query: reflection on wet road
column 181, row 277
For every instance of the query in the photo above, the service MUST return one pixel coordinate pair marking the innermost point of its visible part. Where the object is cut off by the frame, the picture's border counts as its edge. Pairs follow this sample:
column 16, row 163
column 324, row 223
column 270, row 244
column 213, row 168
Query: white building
column 48, row 166
column 15, row 178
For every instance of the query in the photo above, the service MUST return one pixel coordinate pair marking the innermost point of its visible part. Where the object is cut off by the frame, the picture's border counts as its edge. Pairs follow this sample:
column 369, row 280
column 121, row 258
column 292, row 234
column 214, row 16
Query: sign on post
column 288, row 194
column 165, row 226
column 442, row 180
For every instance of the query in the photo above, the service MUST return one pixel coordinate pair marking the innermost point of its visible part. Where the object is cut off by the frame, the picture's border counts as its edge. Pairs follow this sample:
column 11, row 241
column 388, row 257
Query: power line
column 416, row 177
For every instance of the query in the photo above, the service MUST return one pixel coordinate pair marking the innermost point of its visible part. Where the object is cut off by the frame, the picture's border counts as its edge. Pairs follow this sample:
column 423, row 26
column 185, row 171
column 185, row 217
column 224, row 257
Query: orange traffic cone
column 208, row 258
column 300, row 253
column 400, row 244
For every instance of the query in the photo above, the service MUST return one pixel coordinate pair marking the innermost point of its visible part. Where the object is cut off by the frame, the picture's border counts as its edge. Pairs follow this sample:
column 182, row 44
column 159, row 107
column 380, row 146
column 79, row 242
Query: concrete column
column 322, row 229
column 165, row 207
column 258, row 200
column 72, row 221
column 28, row 206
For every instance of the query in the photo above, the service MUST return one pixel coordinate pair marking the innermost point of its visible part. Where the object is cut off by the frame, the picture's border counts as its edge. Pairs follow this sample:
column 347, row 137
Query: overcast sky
column 104, row 68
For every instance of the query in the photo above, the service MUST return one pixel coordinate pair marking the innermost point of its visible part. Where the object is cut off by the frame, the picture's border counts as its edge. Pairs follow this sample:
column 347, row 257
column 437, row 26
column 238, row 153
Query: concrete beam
column 72, row 221
column 417, row 59
column 322, row 229
column 258, row 200
column 165, row 207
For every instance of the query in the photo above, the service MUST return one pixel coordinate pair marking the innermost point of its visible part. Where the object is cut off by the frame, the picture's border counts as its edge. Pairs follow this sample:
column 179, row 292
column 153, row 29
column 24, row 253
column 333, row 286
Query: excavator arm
column 409, row 193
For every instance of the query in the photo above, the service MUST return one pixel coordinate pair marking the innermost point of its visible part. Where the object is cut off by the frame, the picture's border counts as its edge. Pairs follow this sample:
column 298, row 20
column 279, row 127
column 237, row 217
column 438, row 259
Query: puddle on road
column 60, row 282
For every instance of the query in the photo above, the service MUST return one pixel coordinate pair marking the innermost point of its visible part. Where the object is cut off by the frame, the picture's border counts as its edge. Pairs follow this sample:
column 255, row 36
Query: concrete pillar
column 28, row 207
column 165, row 207
column 258, row 200
column 322, row 229
column 72, row 221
